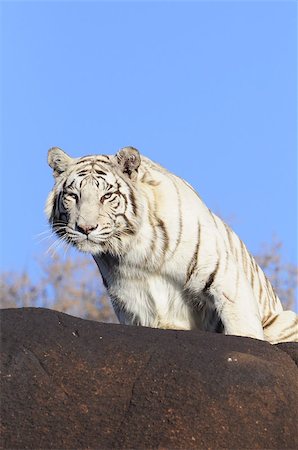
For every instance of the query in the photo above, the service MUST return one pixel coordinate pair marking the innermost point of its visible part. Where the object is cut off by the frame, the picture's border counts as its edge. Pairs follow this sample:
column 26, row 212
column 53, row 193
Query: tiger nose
column 86, row 229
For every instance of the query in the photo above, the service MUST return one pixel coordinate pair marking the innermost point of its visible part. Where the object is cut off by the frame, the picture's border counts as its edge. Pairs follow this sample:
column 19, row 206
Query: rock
column 69, row 383
column 291, row 349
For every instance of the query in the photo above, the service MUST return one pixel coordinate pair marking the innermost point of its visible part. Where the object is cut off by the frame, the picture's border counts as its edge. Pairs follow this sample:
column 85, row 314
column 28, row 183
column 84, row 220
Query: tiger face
column 93, row 204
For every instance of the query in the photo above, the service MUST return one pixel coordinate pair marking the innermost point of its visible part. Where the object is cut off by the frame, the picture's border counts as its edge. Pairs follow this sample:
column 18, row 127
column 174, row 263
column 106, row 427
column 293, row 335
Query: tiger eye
column 73, row 195
column 106, row 197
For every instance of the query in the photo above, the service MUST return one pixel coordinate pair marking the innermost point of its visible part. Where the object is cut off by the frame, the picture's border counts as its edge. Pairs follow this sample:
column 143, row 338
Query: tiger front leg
column 227, row 292
column 240, row 321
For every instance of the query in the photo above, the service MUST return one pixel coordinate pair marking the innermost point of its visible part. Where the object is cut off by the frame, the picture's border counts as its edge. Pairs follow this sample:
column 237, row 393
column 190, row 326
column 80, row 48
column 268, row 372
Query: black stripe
column 228, row 298
column 59, row 204
column 96, row 181
column 125, row 200
column 84, row 159
column 154, row 238
column 244, row 257
column 130, row 228
column 161, row 224
column 257, row 277
column 252, row 277
column 132, row 201
column 100, row 172
column 274, row 296
column 211, row 278
column 107, row 158
column 70, row 185
column 260, row 291
column 93, row 159
column 194, row 259
column 150, row 219
column 178, row 240
column 64, row 185
column 253, row 270
column 153, row 183
column 228, row 232
column 105, row 233
column 269, row 292
column 83, row 172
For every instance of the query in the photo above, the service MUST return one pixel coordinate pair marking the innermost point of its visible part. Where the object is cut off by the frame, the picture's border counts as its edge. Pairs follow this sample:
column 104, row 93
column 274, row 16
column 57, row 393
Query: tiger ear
column 129, row 161
column 58, row 160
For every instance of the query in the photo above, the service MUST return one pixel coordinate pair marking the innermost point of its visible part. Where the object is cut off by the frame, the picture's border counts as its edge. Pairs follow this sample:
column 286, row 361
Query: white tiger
column 166, row 260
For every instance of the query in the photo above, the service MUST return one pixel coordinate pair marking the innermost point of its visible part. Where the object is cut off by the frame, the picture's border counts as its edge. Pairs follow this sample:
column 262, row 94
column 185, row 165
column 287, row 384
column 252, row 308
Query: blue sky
column 208, row 89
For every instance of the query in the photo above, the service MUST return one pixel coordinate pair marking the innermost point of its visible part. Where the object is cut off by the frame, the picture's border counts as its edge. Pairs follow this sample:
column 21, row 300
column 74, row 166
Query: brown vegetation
column 283, row 275
column 69, row 284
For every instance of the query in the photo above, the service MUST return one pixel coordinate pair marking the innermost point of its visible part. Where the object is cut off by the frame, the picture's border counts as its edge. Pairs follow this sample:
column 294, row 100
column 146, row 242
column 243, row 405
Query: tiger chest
column 151, row 299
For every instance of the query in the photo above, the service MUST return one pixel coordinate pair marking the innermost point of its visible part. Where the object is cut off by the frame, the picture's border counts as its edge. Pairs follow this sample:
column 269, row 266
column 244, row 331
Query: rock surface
column 68, row 383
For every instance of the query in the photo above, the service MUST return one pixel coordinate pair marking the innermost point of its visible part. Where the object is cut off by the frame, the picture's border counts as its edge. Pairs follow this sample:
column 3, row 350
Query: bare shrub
column 71, row 284
column 282, row 275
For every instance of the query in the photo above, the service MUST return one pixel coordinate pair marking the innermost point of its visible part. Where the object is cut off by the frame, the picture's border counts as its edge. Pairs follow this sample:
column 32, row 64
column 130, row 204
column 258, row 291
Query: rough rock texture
column 69, row 383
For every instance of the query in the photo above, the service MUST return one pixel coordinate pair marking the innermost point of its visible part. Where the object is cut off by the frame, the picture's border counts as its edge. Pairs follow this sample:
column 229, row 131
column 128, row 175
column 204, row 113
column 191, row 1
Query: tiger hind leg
column 283, row 327
column 237, row 307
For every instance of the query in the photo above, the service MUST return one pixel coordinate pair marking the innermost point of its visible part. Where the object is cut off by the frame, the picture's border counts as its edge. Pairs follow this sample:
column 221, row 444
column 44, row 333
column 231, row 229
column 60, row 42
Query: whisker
column 57, row 243
column 44, row 239
column 67, row 248
column 42, row 233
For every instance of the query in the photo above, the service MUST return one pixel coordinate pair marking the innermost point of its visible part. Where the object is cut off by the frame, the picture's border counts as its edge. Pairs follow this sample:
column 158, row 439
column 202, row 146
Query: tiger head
column 93, row 204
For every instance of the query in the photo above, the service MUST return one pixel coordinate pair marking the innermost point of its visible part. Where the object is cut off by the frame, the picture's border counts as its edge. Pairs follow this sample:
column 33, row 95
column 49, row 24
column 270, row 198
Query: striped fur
column 166, row 260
